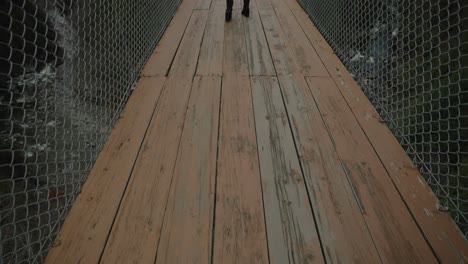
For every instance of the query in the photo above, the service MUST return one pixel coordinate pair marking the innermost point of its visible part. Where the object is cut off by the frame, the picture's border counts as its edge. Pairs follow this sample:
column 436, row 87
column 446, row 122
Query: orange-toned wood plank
column 84, row 233
column 187, row 229
column 239, row 221
column 160, row 61
column 260, row 62
column 438, row 227
column 136, row 231
column 292, row 237
column 338, row 215
column 395, row 233
column 211, row 53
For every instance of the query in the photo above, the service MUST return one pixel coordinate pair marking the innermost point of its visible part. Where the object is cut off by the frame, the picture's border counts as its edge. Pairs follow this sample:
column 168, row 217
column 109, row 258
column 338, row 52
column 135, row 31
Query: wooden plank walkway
column 249, row 142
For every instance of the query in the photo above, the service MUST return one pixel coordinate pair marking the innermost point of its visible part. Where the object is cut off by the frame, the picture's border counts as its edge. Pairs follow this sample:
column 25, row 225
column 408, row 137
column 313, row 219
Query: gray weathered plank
column 292, row 237
column 240, row 235
column 260, row 62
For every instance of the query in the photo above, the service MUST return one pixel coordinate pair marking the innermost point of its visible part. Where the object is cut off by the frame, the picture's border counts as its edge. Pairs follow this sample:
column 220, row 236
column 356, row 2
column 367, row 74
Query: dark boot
column 246, row 9
column 229, row 4
column 228, row 15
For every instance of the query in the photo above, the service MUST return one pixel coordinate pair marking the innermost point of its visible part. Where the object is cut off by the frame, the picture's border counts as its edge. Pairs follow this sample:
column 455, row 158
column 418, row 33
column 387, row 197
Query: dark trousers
column 231, row 2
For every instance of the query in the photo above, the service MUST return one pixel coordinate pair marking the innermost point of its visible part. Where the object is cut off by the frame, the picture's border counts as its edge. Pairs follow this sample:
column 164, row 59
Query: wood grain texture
column 136, row 231
column 235, row 53
column 263, row 4
column 203, row 4
column 187, row 229
column 280, row 49
column 260, row 62
column 163, row 55
column 337, row 212
column 84, row 232
column 240, row 235
column 438, row 227
column 239, row 221
column 210, row 61
column 305, row 57
column 292, row 237
column 395, row 233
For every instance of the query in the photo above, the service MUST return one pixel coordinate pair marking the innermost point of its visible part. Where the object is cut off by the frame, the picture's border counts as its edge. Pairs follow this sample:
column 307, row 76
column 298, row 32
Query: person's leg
column 229, row 4
column 246, row 9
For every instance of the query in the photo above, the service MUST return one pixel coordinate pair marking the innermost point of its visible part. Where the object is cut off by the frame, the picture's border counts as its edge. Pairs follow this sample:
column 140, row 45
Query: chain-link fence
column 411, row 59
column 67, row 68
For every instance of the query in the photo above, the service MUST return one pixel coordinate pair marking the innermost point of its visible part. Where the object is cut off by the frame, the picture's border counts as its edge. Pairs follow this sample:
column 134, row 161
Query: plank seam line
column 215, row 192
column 181, row 133
column 196, row 74
column 178, row 45
column 172, row 174
column 262, row 75
column 375, row 151
column 294, row 142
column 131, row 170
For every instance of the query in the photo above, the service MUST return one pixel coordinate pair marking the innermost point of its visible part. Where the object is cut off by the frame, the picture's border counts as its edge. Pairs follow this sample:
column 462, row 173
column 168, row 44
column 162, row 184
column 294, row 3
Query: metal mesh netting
column 411, row 59
column 67, row 68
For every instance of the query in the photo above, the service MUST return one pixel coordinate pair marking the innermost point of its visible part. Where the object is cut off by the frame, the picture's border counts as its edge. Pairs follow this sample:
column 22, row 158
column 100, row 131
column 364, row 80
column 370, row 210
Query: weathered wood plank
column 438, row 227
column 395, row 233
column 203, row 4
column 239, row 221
column 260, row 62
column 84, row 232
column 263, row 4
column 235, row 60
column 292, row 237
column 305, row 56
column 187, row 230
column 136, row 231
column 211, row 53
column 160, row 61
column 280, row 49
column 337, row 212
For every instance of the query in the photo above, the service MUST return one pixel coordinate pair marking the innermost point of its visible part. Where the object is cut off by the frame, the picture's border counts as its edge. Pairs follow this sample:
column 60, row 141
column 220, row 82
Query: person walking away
column 245, row 9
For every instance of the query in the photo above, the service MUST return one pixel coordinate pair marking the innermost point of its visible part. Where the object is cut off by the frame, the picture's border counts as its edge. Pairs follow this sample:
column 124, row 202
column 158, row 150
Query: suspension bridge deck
column 249, row 142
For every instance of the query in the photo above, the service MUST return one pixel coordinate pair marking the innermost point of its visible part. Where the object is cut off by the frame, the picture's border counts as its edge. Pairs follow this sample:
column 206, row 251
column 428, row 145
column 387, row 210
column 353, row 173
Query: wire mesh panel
column 67, row 68
column 411, row 59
